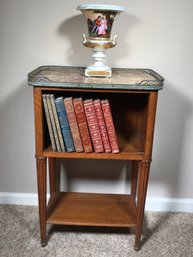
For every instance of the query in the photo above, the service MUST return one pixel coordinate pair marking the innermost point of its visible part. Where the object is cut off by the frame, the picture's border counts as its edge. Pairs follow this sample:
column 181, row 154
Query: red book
column 73, row 124
column 110, row 125
column 82, row 124
column 93, row 125
column 102, row 126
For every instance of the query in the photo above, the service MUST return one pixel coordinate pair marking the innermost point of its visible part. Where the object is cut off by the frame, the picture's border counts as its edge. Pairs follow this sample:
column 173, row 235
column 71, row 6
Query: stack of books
column 77, row 125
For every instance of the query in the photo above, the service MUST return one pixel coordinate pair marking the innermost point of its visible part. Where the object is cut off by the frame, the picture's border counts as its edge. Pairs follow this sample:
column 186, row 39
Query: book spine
column 82, row 125
column 50, row 130
column 110, row 125
column 64, row 124
column 73, row 124
column 53, row 123
column 102, row 126
column 93, row 125
column 57, row 123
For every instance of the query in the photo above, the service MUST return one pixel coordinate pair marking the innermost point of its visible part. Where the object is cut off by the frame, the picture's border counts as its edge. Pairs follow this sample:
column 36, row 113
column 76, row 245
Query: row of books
column 77, row 125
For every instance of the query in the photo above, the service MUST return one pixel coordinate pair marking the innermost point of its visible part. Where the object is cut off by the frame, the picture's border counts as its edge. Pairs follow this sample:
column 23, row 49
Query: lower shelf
column 89, row 209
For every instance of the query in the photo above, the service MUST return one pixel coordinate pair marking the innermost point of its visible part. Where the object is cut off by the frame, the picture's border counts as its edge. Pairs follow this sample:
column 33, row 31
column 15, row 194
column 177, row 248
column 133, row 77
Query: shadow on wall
column 17, row 162
column 78, row 54
column 173, row 110
column 94, row 176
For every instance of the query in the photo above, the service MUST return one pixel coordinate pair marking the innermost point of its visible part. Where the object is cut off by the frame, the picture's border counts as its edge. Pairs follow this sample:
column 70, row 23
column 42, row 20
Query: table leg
column 141, row 196
column 52, row 174
column 134, row 178
column 41, row 180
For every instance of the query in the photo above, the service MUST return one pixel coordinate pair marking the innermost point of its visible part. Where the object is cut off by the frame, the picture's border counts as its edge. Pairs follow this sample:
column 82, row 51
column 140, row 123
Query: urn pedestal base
column 98, row 69
column 100, row 73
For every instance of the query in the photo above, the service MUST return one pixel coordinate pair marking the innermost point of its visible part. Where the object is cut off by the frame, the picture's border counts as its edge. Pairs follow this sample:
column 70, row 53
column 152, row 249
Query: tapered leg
column 52, row 174
column 142, row 190
column 41, row 180
column 134, row 178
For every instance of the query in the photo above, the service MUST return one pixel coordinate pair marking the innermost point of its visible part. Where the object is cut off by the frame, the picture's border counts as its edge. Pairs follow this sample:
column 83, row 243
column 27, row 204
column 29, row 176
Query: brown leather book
column 82, row 125
column 102, row 125
column 110, row 125
column 73, row 124
column 93, row 125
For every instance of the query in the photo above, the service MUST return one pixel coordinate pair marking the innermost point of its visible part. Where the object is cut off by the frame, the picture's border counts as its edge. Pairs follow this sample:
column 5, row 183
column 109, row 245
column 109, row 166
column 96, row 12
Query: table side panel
column 38, row 118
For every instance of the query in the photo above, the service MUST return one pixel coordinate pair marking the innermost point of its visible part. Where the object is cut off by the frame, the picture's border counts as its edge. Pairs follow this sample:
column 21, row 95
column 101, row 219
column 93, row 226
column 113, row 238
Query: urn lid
column 102, row 7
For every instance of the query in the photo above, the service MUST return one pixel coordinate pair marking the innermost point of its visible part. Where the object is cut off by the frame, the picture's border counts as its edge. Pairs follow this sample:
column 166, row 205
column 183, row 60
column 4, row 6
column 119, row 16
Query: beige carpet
column 165, row 234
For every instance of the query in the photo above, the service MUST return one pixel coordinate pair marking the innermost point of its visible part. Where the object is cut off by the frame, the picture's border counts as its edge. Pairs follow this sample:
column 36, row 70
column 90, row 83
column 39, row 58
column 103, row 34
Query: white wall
column 152, row 34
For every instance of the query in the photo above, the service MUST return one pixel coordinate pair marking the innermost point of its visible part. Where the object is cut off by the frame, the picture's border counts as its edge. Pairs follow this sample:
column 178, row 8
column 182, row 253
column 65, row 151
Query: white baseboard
column 169, row 204
column 18, row 198
column 152, row 203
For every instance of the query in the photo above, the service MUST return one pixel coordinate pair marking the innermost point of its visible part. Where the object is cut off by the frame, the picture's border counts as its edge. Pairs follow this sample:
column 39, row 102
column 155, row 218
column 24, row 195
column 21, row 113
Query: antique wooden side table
column 132, row 94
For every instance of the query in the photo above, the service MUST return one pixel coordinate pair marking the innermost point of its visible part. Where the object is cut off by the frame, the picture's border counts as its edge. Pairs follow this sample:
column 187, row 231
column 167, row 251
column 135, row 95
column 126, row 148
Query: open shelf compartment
column 129, row 113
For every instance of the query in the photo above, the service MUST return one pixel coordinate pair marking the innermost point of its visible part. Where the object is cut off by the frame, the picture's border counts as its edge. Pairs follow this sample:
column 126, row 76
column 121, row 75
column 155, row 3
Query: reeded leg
column 52, row 174
column 134, row 178
column 142, row 190
column 41, row 180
